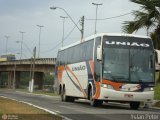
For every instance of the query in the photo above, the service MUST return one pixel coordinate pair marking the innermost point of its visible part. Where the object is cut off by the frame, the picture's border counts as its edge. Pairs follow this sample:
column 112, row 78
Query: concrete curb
column 30, row 104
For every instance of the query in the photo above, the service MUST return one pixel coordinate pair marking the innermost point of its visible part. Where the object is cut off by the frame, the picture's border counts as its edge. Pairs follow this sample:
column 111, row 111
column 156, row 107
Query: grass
column 157, row 92
column 156, row 76
column 23, row 111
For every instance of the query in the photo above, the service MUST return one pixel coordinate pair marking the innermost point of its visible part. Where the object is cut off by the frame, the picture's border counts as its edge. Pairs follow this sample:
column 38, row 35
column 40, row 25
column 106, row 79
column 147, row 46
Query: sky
column 25, row 15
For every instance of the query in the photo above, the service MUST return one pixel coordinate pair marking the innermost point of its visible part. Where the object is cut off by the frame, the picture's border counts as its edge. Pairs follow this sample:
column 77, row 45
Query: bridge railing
column 29, row 61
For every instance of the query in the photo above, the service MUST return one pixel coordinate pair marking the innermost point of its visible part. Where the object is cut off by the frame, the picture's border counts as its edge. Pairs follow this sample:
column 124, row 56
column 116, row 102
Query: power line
column 28, row 48
column 112, row 17
column 63, row 40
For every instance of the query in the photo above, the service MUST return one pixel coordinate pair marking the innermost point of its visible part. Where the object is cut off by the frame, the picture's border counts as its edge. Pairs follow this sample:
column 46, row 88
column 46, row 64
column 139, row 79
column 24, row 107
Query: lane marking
column 49, row 111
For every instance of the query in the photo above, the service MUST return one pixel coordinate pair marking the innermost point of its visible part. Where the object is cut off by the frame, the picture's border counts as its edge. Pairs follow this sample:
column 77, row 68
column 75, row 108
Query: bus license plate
column 128, row 95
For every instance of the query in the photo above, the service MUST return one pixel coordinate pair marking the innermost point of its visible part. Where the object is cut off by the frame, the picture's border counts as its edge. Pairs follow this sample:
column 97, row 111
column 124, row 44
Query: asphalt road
column 81, row 110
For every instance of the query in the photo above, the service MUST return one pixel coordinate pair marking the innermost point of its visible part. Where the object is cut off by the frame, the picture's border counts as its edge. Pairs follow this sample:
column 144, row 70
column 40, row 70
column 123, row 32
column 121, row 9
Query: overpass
column 16, row 67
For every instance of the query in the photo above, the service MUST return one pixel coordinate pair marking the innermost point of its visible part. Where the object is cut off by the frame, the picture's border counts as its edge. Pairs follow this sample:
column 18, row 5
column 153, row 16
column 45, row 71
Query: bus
column 157, row 60
column 108, row 67
column 8, row 57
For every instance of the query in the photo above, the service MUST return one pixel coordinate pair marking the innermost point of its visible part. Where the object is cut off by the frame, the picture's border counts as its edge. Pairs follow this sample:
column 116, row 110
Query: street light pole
column 96, row 15
column 21, row 44
column 53, row 8
column 63, row 19
column 7, row 37
column 39, row 43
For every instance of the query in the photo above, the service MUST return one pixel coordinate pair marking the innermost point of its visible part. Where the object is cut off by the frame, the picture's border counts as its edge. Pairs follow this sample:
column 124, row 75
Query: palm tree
column 147, row 17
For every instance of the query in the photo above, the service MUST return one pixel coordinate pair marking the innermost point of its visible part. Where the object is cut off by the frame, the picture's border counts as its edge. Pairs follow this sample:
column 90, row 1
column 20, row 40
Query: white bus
column 108, row 67
column 157, row 59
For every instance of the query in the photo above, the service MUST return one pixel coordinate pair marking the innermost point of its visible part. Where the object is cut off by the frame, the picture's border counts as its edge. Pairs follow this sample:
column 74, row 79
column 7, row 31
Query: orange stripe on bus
column 60, row 71
column 97, row 94
column 115, row 85
column 77, row 81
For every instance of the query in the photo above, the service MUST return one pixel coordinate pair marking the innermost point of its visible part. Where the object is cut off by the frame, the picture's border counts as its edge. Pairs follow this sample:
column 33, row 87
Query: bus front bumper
column 113, row 95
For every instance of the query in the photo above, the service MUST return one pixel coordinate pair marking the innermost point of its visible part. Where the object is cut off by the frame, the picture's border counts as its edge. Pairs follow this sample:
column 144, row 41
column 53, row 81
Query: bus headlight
column 107, row 86
column 148, row 89
column 104, row 85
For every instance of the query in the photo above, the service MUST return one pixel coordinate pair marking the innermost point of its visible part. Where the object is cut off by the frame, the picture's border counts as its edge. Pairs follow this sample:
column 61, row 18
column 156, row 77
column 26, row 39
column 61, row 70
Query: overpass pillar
column 39, row 79
column 17, row 79
column 10, row 79
column 1, row 84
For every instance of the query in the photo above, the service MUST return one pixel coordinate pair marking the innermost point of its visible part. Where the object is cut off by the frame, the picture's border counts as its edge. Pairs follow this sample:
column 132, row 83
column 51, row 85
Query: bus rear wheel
column 65, row 98
column 134, row 105
column 94, row 102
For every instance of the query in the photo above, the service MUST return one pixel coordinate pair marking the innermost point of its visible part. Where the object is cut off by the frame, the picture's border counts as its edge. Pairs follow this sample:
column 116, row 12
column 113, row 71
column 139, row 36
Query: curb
column 36, row 94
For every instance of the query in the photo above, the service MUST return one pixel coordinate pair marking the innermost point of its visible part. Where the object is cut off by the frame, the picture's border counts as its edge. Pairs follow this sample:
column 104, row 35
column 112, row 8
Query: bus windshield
column 128, row 64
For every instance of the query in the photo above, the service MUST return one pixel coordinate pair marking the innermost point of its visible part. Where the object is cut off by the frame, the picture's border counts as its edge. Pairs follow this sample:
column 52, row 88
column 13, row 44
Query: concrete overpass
column 16, row 67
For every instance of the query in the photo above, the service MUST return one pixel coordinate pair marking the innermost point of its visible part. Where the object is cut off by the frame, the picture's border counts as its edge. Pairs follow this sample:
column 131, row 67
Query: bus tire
column 71, row 99
column 134, row 105
column 94, row 102
column 64, row 97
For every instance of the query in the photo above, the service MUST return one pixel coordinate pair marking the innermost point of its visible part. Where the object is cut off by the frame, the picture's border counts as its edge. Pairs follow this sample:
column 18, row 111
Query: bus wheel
column 71, row 99
column 63, row 96
column 134, row 105
column 94, row 102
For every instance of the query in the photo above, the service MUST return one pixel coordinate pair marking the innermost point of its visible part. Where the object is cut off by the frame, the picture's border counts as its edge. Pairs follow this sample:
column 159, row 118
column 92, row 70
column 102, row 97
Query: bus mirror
column 99, row 53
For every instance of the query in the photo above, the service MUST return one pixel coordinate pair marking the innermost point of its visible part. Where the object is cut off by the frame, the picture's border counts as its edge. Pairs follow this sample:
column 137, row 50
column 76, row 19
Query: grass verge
column 11, row 109
column 157, row 92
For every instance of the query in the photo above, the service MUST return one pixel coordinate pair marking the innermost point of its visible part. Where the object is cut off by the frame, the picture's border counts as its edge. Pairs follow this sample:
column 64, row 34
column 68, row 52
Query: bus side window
column 96, row 63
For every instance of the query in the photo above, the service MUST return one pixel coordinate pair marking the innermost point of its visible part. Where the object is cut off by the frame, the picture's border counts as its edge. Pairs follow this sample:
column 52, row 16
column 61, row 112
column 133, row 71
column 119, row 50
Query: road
column 81, row 110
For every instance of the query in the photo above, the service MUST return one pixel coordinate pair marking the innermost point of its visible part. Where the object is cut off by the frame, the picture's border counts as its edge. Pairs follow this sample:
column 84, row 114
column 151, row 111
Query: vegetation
column 148, row 17
column 157, row 92
column 22, row 111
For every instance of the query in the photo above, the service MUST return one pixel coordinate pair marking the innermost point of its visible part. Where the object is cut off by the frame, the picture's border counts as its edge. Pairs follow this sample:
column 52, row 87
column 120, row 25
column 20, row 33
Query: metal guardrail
column 49, row 61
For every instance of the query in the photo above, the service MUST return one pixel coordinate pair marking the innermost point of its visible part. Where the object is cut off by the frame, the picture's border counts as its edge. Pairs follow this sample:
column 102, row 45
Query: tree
column 147, row 17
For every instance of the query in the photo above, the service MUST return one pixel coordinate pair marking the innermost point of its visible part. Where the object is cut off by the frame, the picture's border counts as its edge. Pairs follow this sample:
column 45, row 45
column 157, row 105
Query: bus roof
column 103, row 34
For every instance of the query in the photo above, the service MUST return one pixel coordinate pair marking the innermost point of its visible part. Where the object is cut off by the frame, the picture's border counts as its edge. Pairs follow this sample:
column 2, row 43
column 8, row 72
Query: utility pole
column 7, row 37
column 31, row 84
column 39, row 42
column 54, row 8
column 63, row 19
column 21, row 44
column 14, row 78
column 82, row 30
column 96, row 4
